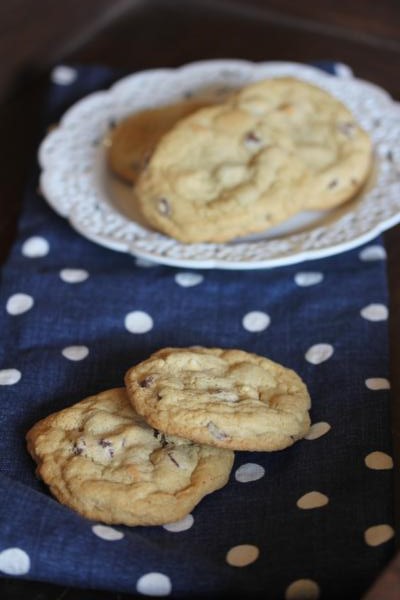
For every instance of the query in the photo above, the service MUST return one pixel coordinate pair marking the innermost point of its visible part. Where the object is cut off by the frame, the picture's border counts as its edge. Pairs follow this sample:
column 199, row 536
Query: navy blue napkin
column 314, row 519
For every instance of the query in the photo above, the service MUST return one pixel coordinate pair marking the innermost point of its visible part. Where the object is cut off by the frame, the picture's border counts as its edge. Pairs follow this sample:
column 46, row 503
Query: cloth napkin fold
column 316, row 518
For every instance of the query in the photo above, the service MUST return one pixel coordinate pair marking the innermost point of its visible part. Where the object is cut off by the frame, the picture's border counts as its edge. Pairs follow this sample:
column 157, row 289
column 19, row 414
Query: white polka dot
column 75, row 352
column 317, row 430
column 243, row 555
column 9, row 376
column 74, row 275
column 377, row 383
column 107, row 533
column 319, row 353
column 181, row 525
column 302, row 589
column 379, row 461
column 378, row 534
column 256, row 321
column 249, row 472
column 154, row 584
column 375, row 312
column 63, row 75
column 145, row 263
column 312, row 500
column 138, row 322
column 188, row 279
column 373, row 253
column 14, row 561
column 35, row 247
column 306, row 278
column 18, row 304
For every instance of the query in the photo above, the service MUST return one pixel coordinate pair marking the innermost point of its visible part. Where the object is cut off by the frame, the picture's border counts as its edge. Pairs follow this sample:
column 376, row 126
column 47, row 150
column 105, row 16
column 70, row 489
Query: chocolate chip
column 252, row 140
column 215, row 432
column 333, row 183
column 173, row 459
column 251, row 136
column 78, row 447
column 147, row 381
column 105, row 443
column 108, row 446
column 160, row 437
column 112, row 123
column 390, row 156
column 164, row 207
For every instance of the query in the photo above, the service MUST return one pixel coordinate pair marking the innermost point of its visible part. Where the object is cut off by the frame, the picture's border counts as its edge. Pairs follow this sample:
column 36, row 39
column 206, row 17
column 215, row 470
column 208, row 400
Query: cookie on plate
column 216, row 176
column 225, row 398
column 321, row 131
column 133, row 140
column 275, row 148
column 102, row 460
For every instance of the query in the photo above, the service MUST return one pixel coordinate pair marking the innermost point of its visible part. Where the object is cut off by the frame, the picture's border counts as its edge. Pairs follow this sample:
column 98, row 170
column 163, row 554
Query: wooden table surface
column 134, row 35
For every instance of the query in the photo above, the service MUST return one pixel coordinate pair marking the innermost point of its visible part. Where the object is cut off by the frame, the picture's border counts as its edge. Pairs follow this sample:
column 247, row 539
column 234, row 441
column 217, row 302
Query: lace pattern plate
column 76, row 181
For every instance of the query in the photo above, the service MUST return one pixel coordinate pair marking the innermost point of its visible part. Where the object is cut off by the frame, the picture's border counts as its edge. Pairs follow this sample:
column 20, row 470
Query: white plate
column 78, row 185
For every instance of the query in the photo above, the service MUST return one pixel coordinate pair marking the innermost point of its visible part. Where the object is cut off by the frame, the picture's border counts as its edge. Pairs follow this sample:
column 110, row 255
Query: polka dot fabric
column 75, row 316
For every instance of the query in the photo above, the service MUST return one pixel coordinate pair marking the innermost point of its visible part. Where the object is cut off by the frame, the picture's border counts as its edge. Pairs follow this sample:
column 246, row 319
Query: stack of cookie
column 269, row 151
column 147, row 454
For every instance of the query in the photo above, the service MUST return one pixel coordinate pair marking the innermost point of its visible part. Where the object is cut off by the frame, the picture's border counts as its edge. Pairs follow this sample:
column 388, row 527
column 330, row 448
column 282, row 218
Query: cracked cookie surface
column 225, row 398
column 101, row 459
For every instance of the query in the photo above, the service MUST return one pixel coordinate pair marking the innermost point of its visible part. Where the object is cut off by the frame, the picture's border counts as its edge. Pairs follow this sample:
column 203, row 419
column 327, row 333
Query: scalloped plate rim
column 212, row 263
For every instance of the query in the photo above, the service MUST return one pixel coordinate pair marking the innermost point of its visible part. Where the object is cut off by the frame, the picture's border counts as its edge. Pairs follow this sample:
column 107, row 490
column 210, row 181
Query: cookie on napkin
column 225, row 398
column 102, row 460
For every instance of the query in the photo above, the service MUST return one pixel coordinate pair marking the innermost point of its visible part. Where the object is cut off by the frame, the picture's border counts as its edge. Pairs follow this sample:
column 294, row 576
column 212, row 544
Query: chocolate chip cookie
column 226, row 398
column 273, row 149
column 101, row 459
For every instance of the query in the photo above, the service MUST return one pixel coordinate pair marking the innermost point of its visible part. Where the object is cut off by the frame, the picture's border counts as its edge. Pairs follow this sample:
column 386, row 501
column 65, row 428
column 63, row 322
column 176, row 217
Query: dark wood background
column 139, row 34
